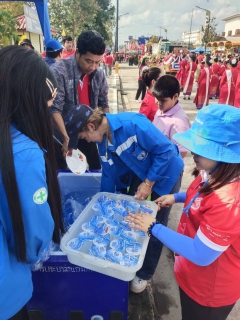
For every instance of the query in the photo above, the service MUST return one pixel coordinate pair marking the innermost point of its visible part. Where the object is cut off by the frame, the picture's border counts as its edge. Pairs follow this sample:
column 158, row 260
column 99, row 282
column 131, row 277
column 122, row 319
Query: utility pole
column 116, row 37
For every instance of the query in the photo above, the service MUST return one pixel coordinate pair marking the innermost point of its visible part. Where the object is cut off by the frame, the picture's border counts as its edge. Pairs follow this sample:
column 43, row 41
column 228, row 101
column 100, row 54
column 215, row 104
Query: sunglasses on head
column 51, row 88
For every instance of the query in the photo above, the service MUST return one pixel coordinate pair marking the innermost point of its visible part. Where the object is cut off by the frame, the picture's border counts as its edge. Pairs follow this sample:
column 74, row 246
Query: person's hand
column 65, row 148
column 69, row 152
column 141, row 221
column 165, row 201
column 143, row 191
column 106, row 110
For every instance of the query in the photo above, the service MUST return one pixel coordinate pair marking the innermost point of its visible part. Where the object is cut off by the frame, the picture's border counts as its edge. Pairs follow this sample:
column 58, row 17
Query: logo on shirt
column 217, row 235
column 142, row 155
column 40, row 196
column 196, row 204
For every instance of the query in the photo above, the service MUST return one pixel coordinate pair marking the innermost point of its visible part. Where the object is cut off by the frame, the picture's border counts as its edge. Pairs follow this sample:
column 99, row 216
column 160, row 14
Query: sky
column 146, row 16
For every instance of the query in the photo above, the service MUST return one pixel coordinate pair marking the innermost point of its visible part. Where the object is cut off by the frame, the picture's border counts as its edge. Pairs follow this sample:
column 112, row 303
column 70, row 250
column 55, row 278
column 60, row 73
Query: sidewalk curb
column 125, row 100
column 112, row 93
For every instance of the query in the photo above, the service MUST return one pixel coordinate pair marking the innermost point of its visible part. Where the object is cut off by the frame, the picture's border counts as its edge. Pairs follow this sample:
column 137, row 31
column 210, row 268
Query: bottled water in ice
column 113, row 256
column 128, row 260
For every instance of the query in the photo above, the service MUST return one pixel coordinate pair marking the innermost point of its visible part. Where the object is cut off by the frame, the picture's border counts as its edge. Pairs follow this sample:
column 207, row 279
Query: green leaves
column 7, row 28
column 74, row 16
column 209, row 30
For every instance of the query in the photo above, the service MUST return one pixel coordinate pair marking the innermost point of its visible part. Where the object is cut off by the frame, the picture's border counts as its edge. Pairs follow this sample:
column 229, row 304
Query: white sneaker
column 137, row 285
column 137, row 101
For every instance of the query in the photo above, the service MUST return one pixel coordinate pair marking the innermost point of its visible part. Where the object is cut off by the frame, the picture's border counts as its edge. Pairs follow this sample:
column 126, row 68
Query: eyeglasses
column 51, row 88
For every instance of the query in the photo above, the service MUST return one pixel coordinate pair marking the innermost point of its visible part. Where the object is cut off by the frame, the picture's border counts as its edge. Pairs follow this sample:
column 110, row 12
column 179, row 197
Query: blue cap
column 74, row 120
column 214, row 134
column 53, row 46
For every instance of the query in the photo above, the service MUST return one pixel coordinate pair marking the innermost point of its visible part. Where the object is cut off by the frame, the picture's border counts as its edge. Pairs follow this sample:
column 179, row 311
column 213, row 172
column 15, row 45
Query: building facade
column 232, row 26
column 194, row 38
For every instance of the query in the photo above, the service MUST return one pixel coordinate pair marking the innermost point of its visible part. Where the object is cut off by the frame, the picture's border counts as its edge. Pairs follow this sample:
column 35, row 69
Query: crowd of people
column 216, row 77
column 141, row 154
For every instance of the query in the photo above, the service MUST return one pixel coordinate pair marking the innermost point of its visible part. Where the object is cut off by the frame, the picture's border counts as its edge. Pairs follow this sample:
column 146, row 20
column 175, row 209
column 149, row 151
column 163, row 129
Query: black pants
column 21, row 315
column 88, row 148
column 191, row 310
column 141, row 89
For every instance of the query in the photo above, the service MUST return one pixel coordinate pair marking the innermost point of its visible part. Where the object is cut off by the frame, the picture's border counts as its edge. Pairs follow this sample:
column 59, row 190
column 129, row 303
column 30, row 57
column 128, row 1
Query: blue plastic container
column 65, row 291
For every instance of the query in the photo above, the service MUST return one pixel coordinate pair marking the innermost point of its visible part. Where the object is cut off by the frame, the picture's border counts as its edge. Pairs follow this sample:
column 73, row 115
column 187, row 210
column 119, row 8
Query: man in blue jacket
column 133, row 152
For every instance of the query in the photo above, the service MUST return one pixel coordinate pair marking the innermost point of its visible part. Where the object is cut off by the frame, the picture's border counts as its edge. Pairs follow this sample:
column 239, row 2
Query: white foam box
column 106, row 267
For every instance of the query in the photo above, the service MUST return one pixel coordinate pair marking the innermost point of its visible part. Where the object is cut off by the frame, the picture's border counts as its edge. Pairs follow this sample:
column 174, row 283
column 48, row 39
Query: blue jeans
column 155, row 246
column 105, row 68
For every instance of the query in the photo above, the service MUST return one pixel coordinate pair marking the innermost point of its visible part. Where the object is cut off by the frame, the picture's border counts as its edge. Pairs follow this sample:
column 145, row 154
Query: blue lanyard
column 187, row 208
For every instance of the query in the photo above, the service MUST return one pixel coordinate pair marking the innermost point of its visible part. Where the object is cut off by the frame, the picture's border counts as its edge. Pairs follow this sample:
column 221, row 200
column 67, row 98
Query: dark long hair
column 150, row 74
column 143, row 63
column 224, row 173
column 24, row 96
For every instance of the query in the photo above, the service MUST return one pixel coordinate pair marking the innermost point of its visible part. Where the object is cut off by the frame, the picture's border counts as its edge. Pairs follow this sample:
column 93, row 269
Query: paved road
column 160, row 301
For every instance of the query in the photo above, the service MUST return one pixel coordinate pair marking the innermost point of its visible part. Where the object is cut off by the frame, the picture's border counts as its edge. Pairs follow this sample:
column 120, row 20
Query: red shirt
column 237, row 92
column 148, row 106
column 221, row 70
column 83, row 91
column 200, row 58
column 66, row 54
column 216, row 220
column 109, row 60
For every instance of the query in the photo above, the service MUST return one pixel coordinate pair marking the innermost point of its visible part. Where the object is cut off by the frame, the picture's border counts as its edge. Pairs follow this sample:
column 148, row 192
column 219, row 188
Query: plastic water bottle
column 75, row 244
column 133, row 207
column 128, row 260
column 118, row 244
column 97, row 251
column 133, row 248
column 113, row 256
column 101, row 241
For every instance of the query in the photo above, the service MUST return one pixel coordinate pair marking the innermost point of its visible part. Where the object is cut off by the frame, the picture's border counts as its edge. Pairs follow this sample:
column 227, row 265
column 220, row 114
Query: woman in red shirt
column 202, row 96
column 214, row 79
column 190, row 71
column 148, row 106
column 181, row 75
column 228, row 83
column 207, row 242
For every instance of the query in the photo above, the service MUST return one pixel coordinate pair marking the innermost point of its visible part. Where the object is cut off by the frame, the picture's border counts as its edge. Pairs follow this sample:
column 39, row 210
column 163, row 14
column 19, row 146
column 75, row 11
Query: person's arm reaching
column 57, row 107
column 169, row 199
column 58, row 123
column 192, row 249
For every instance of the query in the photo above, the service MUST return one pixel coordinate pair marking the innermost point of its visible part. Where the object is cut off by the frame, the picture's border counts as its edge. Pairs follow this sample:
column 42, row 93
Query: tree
column 104, row 20
column 71, row 15
column 9, row 11
column 74, row 16
column 7, row 28
column 209, row 30
column 14, row 8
